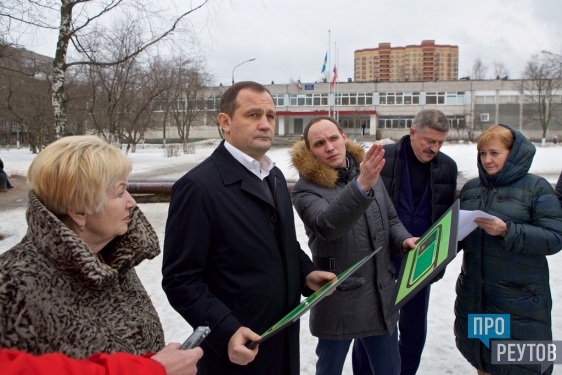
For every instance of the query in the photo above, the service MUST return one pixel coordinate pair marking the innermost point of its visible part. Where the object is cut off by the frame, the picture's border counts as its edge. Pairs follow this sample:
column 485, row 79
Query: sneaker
column 11, row 187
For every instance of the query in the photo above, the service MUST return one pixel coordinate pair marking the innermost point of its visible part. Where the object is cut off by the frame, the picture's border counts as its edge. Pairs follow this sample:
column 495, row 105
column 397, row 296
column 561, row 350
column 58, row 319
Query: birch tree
column 74, row 20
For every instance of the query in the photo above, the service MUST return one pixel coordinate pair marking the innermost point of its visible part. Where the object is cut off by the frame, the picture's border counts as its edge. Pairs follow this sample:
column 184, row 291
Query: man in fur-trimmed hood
column 347, row 214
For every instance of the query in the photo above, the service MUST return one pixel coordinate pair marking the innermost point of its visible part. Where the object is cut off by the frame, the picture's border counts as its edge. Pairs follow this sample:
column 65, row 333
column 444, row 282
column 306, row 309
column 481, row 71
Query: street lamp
column 252, row 59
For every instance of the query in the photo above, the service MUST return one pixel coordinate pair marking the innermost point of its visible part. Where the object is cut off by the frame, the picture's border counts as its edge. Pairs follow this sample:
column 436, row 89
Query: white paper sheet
column 466, row 222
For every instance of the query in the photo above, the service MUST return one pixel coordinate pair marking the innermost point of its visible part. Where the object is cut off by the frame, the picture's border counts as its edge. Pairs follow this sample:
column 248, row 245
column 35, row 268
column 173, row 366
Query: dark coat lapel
column 233, row 172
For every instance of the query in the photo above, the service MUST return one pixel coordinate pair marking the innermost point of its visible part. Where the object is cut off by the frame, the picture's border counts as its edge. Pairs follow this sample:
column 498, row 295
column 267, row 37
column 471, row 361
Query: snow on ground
column 440, row 355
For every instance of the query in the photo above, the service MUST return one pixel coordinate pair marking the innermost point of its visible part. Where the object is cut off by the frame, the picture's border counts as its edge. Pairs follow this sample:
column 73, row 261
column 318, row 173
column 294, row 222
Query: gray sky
column 289, row 38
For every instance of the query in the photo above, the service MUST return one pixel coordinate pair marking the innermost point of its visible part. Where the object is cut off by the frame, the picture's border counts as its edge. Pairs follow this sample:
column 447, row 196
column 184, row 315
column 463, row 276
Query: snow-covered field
column 440, row 355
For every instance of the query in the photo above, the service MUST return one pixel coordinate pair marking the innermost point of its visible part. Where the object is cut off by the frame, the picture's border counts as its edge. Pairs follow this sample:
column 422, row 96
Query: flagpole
column 328, row 80
column 336, row 114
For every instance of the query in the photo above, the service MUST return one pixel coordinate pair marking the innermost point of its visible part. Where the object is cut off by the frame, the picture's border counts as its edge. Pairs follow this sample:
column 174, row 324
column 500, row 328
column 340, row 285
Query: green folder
column 305, row 305
column 433, row 251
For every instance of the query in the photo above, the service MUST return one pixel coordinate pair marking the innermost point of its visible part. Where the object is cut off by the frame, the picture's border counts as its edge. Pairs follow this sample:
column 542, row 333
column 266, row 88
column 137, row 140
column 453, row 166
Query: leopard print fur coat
column 58, row 296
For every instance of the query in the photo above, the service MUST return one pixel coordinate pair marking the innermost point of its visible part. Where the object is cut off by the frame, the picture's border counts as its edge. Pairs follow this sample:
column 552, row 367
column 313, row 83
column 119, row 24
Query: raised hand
column 371, row 167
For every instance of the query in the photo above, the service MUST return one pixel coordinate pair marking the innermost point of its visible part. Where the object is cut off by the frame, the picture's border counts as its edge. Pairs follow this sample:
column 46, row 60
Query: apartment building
column 425, row 62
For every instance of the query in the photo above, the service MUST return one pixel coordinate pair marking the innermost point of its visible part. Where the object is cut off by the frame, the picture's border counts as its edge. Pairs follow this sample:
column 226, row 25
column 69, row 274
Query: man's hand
column 494, row 227
column 177, row 361
column 316, row 279
column 237, row 351
column 371, row 167
column 409, row 243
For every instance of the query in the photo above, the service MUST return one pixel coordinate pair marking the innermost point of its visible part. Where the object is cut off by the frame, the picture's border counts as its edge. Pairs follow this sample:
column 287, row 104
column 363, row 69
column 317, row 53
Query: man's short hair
column 431, row 118
column 314, row 121
column 228, row 103
column 75, row 172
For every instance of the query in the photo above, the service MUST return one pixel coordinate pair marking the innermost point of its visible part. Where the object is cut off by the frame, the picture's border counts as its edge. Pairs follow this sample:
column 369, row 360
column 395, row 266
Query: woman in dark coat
column 504, row 269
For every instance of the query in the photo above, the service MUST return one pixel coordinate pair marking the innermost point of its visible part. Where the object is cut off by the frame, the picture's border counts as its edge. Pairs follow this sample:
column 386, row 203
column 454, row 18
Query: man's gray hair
column 431, row 118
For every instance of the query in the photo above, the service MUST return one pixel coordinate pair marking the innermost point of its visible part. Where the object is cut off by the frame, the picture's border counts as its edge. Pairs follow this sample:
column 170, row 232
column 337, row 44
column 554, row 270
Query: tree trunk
column 59, row 69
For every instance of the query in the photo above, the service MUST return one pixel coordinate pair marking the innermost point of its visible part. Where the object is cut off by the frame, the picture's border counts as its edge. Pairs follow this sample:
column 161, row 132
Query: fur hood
column 317, row 172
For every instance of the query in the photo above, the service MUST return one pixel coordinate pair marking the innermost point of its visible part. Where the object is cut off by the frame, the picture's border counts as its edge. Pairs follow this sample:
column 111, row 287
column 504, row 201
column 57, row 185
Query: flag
column 297, row 84
column 325, row 63
column 335, row 76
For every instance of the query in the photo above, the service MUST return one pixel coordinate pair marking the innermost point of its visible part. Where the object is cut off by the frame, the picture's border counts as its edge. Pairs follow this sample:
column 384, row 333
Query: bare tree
column 165, row 75
column 189, row 100
column 212, row 107
column 479, row 70
column 500, row 70
column 24, row 98
column 75, row 20
column 542, row 87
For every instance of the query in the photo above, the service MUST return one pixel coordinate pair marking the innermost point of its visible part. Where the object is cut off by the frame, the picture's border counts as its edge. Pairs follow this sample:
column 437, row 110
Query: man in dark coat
column 422, row 183
column 231, row 258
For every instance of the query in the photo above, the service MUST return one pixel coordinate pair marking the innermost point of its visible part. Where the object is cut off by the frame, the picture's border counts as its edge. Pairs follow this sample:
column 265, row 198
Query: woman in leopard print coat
column 70, row 285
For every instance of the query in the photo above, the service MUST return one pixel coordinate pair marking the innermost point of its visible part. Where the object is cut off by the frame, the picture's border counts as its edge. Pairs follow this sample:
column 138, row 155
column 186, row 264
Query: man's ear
column 224, row 122
column 78, row 217
column 344, row 136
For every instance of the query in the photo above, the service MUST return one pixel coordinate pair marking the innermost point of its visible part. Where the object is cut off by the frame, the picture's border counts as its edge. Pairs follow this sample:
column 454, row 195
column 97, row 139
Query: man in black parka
column 231, row 258
column 422, row 183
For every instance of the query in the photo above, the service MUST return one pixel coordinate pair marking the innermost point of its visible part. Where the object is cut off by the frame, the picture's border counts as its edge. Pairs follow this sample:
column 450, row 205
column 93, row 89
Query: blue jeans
column 413, row 331
column 381, row 352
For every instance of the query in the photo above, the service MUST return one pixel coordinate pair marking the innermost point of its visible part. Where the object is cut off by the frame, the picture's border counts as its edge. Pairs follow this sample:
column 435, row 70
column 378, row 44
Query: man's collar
column 260, row 168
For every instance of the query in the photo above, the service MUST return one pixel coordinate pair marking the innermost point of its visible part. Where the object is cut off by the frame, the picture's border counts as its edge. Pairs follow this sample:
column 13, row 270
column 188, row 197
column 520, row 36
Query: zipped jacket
column 509, row 275
column 343, row 226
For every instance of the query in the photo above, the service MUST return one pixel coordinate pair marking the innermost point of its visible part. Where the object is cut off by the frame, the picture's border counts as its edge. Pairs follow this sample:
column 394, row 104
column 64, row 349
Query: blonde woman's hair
column 496, row 132
column 75, row 172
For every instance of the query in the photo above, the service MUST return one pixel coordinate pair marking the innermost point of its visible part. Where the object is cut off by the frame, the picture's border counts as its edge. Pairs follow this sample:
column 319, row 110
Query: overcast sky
column 289, row 38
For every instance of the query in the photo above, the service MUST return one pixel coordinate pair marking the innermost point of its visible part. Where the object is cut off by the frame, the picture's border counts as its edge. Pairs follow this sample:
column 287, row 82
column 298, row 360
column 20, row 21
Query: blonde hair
column 75, row 172
column 496, row 132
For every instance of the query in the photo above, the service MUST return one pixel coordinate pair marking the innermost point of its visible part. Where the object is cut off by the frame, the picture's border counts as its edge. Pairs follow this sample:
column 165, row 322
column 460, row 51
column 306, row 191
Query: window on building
column 454, row 97
column 435, row 97
column 303, row 100
column 278, row 99
column 159, row 105
column 509, row 99
column 213, row 102
column 457, row 122
column 399, row 98
column 485, row 99
column 354, row 99
column 179, row 104
column 395, row 122
column 485, row 117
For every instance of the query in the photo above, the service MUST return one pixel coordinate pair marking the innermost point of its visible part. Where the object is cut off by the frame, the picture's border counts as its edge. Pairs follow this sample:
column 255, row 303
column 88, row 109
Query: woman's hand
column 494, row 227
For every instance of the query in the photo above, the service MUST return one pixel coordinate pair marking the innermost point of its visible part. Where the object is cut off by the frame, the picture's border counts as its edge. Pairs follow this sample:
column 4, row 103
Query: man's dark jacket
column 443, row 180
column 231, row 259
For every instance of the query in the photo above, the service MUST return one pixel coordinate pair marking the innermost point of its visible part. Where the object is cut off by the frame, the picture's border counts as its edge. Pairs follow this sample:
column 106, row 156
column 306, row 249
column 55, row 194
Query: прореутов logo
column 497, row 326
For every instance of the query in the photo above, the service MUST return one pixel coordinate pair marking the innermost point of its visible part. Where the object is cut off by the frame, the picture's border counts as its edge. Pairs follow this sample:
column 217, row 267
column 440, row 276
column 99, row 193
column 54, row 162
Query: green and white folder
column 305, row 305
column 433, row 251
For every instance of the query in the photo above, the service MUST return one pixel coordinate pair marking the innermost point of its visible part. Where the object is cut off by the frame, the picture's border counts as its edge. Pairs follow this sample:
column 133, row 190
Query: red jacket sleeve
column 14, row 362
